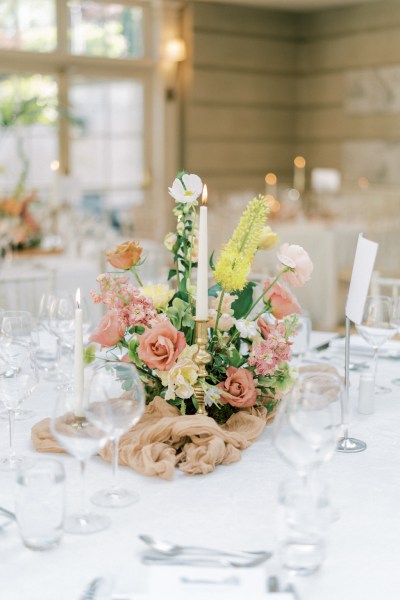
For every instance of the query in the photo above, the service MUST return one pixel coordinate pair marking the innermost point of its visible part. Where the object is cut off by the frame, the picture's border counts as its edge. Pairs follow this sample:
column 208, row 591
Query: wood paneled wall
column 267, row 85
column 240, row 108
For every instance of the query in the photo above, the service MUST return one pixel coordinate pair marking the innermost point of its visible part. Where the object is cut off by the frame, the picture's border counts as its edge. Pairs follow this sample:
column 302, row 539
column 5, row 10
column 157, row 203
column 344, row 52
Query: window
column 78, row 97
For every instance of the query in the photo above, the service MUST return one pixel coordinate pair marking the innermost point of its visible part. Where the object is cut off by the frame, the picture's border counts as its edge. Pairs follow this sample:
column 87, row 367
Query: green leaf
column 211, row 261
column 171, row 274
column 244, row 301
column 214, row 289
column 235, row 358
column 89, row 354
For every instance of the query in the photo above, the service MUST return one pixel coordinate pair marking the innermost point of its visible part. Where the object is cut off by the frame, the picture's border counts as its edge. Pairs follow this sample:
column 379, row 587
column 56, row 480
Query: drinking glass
column 17, row 381
column 376, row 328
column 17, row 340
column 307, row 425
column 82, row 440
column 301, row 341
column 302, row 525
column 396, row 323
column 115, row 402
column 47, row 354
column 40, row 503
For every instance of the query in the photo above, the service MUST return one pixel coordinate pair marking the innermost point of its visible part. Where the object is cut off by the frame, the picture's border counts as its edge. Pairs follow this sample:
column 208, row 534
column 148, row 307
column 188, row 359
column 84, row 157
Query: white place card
column 363, row 266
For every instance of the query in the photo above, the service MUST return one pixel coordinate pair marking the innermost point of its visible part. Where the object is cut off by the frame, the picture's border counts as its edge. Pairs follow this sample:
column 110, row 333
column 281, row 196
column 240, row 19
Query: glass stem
column 375, row 367
column 82, row 465
column 11, row 421
column 115, row 456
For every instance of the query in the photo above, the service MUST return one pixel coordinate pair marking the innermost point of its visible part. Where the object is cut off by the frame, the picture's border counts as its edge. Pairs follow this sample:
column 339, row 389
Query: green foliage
column 89, row 354
column 244, row 301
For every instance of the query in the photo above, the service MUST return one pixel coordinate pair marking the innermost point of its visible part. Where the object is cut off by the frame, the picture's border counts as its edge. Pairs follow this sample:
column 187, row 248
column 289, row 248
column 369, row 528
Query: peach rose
column 160, row 346
column 239, row 383
column 283, row 302
column 125, row 255
column 298, row 260
column 109, row 330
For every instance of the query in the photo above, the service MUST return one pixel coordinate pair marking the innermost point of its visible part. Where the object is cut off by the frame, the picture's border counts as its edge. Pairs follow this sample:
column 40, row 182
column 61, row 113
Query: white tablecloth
column 234, row 507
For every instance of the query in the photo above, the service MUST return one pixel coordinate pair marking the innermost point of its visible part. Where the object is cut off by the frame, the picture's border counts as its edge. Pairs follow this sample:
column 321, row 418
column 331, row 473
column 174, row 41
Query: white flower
column 189, row 191
column 182, row 376
column 247, row 329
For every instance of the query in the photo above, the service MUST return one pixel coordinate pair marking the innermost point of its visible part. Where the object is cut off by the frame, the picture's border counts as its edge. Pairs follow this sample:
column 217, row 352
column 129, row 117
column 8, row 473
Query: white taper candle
column 202, row 264
column 78, row 357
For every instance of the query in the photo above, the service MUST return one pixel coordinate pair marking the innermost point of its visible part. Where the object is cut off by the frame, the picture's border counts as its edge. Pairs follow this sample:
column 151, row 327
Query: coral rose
column 125, row 255
column 160, row 346
column 283, row 302
column 239, row 383
column 110, row 330
column 295, row 257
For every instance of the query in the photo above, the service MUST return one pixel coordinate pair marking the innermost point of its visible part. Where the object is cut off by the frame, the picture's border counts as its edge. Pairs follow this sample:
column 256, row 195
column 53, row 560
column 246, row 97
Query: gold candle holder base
column 201, row 358
column 78, row 422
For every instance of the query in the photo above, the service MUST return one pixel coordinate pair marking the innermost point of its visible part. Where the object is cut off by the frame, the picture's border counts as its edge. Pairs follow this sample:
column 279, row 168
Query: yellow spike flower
column 236, row 258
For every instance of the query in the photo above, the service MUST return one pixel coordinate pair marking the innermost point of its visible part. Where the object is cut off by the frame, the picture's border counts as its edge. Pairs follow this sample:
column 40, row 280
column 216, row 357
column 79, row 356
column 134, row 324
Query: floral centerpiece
column 250, row 326
column 18, row 223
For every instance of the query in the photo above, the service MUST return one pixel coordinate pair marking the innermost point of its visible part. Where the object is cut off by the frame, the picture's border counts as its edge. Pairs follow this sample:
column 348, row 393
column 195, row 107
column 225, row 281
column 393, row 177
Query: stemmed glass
column 115, row 402
column 82, row 440
column 17, row 337
column 376, row 328
column 396, row 323
column 307, row 425
column 18, row 378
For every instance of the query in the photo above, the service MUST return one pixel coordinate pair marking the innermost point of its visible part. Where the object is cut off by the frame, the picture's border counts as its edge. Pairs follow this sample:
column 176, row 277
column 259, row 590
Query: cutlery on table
column 216, row 561
column 90, row 592
column 168, row 549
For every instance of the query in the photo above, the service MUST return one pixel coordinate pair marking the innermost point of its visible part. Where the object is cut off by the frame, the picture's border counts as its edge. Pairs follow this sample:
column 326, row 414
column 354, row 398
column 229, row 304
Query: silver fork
column 150, row 559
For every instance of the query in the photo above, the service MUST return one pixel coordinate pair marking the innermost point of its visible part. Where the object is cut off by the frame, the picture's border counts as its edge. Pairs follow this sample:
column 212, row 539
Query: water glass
column 304, row 515
column 40, row 503
column 301, row 342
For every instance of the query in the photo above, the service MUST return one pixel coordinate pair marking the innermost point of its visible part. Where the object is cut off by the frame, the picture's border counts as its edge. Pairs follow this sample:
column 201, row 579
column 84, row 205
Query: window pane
column 28, row 25
column 28, row 135
column 99, row 29
column 107, row 155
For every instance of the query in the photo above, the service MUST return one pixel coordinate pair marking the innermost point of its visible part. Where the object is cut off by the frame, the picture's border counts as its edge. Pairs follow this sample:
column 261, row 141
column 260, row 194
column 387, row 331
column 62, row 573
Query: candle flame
column 78, row 297
column 205, row 194
column 300, row 162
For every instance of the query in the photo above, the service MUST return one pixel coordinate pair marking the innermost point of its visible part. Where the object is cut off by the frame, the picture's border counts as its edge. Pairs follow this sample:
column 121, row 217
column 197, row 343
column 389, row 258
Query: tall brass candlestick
column 201, row 358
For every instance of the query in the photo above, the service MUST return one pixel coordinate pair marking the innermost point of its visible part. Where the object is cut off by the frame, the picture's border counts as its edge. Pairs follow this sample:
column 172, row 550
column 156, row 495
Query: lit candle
column 202, row 263
column 78, row 356
column 299, row 179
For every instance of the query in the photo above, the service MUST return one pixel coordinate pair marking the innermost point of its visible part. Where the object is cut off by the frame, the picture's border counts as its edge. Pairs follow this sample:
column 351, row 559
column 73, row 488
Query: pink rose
column 160, row 346
column 283, row 302
column 298, row 260
column 239, row 383
column 110, row 330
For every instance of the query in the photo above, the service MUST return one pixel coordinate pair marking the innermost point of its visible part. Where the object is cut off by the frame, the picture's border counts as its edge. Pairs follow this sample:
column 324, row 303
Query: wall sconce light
column 175, row 50
column 174, row 53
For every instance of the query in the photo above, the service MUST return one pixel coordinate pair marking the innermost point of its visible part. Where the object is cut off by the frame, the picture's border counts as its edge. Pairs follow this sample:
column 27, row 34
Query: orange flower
column 125, row 255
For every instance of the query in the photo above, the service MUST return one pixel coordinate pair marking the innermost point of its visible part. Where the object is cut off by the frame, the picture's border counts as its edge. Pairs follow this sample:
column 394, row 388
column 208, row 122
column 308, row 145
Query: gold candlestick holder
column 201, row 358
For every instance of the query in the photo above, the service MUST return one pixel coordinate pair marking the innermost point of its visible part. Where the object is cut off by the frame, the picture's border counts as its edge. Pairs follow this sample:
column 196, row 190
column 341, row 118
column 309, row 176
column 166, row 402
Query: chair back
column 385, row 286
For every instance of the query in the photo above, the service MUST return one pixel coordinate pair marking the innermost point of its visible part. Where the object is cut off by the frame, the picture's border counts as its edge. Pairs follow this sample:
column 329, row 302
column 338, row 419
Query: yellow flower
column 269, row 239
column 160, row 294
column 181, row 378
column 236, row 258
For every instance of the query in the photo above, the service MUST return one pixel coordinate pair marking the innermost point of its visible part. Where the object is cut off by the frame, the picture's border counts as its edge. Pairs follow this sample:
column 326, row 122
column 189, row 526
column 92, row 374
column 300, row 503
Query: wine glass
column 306, row 427
column 396, row 323
column 17, row 382
column 48, row 351
column 376, row 328
column 17, row 340
column 115, row 401
column 82, row 440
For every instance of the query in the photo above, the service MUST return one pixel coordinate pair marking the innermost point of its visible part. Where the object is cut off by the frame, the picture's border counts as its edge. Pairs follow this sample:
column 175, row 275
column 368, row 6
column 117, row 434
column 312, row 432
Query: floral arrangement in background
column 18, row 224
column 250, row 326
